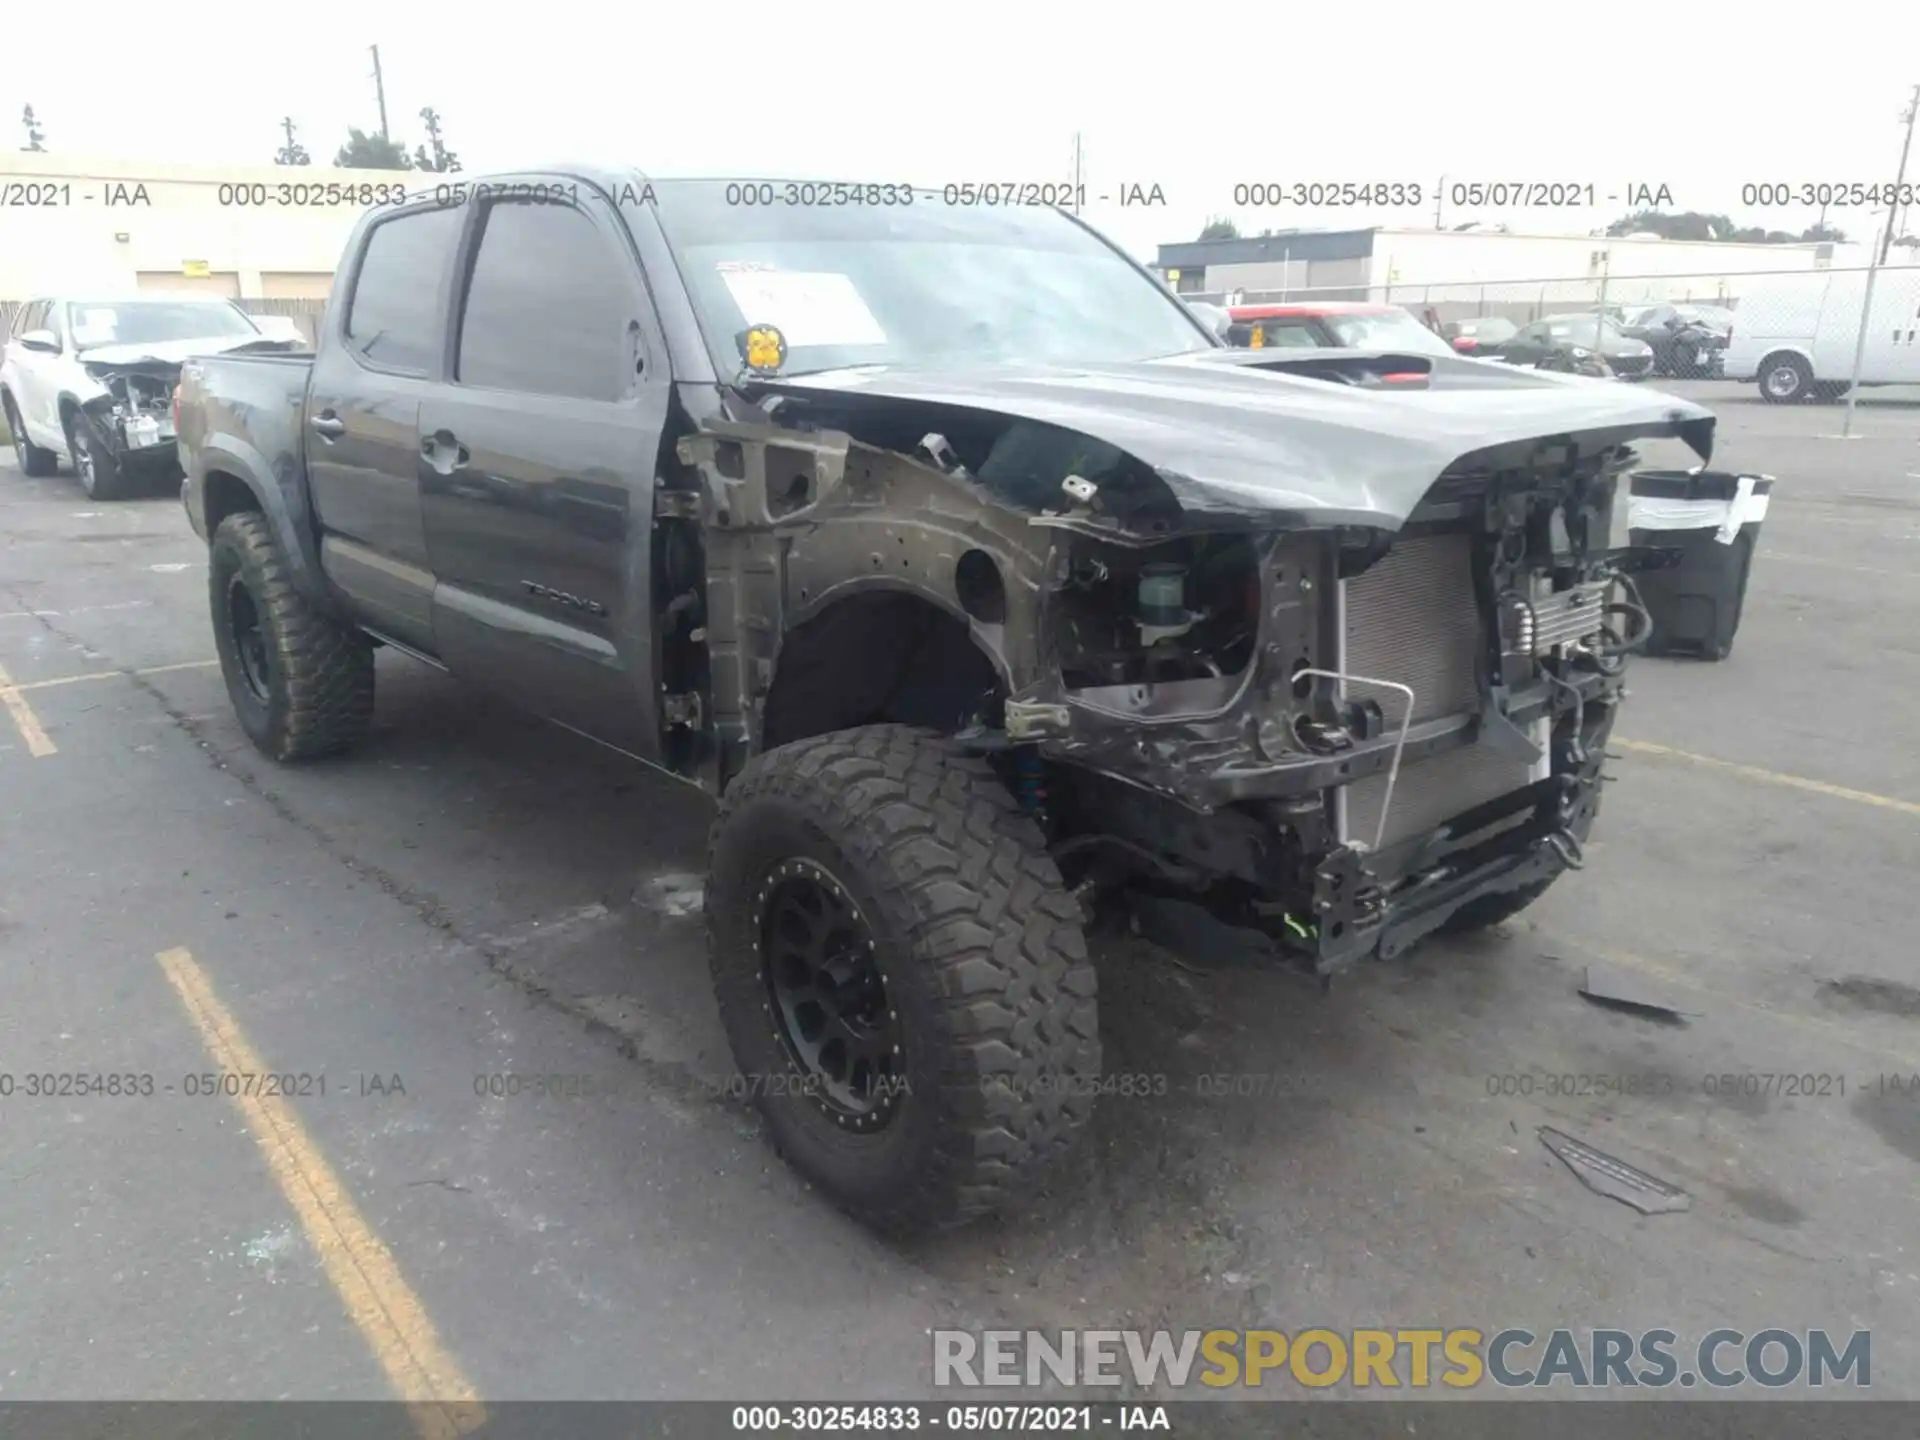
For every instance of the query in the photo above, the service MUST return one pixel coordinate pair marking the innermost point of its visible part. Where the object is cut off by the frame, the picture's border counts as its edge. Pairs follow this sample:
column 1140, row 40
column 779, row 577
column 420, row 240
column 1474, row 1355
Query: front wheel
column 902, row 975
column 101, row 474
column 301, row 683
column 1785, row 379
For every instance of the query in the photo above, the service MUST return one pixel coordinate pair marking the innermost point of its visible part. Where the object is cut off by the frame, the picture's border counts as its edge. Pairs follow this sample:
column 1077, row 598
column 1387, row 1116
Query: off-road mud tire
column 1486, row 911
column 978, row 943
column 319, row 682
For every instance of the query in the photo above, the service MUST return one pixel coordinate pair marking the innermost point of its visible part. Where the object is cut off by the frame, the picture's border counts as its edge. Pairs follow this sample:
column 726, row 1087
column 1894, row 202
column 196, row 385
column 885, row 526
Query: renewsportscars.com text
column 1417, row 1359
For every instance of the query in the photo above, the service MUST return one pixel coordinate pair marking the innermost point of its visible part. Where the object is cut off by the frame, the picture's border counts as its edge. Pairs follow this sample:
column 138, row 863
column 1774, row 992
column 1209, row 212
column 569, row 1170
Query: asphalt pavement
column 475, row 900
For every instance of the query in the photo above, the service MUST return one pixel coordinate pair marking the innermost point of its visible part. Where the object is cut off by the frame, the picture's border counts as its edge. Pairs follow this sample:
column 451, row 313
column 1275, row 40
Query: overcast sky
column 1699, row 97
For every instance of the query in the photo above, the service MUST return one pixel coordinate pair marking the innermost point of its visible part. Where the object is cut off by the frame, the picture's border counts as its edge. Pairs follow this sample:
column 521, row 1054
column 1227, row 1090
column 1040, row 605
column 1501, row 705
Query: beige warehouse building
column 265, row 232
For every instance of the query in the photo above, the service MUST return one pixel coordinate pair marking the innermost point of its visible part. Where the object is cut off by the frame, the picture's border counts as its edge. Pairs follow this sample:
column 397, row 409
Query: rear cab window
column 393, row 315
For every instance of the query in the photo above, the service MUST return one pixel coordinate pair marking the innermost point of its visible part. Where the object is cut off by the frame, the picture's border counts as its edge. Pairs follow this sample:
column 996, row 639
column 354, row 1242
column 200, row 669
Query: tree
column 371, row 152
column 34, row 134
column 293, row 152
column 440, row 160
column 1697, row 225
column 1220, row 229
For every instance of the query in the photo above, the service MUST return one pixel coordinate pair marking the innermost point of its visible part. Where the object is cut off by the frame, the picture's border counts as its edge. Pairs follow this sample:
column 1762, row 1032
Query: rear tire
column 1785, row 379
column 35, row 461
column 301, row 683
column 974, row 954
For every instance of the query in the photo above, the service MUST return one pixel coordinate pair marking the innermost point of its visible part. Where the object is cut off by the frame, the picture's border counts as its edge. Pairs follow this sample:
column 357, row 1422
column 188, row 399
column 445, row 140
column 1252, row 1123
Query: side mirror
column 45, row 341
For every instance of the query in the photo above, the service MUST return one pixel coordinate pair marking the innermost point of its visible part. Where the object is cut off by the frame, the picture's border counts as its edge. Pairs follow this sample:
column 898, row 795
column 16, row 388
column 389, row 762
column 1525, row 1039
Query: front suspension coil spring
column 1030, row 781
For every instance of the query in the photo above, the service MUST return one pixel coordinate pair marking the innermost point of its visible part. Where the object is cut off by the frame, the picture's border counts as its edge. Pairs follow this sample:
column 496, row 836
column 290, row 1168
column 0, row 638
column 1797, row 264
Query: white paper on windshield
column 95, row 327
column 809, row 307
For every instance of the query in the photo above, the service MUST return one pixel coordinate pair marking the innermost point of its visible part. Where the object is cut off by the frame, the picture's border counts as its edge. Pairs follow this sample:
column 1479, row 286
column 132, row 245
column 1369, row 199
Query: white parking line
column 77, row 610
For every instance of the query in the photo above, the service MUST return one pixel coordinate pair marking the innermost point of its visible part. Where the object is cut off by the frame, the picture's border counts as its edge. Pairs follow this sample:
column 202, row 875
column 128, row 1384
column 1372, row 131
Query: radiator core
column 1413, row 618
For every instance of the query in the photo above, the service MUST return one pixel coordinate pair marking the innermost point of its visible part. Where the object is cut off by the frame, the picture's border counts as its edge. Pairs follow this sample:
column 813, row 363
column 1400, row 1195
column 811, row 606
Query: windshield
column 924, row 283
column 1579, row 330
column 1396, row 331
column 153, row 322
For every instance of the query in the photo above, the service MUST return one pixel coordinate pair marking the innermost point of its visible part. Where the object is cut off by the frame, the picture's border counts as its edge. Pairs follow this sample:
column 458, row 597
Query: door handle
column 444, row 452
column 328, row 425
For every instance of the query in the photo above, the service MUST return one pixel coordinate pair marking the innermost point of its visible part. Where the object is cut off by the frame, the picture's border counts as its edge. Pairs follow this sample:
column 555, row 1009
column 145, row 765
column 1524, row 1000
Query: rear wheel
column 1785, row 379
column 301, row 684
column 902, row 976
column 35, row 460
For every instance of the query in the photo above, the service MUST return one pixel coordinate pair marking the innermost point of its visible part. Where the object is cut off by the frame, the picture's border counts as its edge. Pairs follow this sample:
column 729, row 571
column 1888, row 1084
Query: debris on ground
column 1613, row 988
column 1617, row 1180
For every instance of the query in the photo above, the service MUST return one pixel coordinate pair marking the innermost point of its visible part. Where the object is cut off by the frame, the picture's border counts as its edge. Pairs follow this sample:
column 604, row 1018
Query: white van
column 1796, row 334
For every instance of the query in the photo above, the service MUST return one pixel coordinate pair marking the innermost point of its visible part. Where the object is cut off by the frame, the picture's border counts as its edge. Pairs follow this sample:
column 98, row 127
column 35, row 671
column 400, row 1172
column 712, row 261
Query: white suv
column 91, row 381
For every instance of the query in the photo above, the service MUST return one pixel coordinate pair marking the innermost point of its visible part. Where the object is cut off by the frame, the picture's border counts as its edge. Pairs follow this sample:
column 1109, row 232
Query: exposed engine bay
column 135, row 415
column 1341, row 734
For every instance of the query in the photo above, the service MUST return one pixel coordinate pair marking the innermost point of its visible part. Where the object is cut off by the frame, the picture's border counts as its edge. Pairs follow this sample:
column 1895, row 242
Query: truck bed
column 253, row 408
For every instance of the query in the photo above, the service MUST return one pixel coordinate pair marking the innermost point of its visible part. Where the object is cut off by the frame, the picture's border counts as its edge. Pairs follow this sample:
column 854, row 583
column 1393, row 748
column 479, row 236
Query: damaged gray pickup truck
column 970, row 573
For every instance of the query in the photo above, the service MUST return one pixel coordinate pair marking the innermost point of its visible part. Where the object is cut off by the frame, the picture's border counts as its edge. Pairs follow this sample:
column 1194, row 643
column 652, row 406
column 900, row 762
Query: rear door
column 1896, row 328
column 385, row 349
column 537, row 463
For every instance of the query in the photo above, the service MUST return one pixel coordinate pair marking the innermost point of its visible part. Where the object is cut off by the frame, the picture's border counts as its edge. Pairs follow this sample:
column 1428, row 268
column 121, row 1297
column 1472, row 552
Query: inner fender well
column 881, row 652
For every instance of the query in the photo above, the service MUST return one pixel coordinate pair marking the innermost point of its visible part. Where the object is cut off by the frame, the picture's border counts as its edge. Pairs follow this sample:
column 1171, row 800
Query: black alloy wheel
column 828, row 998
column 249, row 638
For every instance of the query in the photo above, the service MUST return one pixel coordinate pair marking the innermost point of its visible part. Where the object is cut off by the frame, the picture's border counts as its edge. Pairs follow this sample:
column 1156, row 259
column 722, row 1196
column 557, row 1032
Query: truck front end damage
column 1346, row 715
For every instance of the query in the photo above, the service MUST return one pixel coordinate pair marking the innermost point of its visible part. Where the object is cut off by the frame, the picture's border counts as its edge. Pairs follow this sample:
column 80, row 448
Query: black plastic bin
column 1694, row 606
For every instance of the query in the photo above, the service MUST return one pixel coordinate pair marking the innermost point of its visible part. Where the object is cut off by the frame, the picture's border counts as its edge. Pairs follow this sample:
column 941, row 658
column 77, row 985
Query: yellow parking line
column 443, row 1400
column 1770, row 777
column 115, row 674
column 28, row 723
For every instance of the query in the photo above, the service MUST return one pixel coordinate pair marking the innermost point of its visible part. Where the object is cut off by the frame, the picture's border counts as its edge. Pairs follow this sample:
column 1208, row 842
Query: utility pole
column 1079, row 172
column 1873, row 268
column 1906, row 146
column 380, row 91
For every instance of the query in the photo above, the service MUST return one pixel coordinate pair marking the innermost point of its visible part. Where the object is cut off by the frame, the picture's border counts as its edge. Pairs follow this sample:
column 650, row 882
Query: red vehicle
column 1333, row 324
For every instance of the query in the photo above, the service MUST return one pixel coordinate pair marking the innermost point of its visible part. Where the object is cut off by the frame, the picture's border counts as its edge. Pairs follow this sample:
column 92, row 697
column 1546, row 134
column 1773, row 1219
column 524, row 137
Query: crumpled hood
column 169, row 352
column 1231, row 432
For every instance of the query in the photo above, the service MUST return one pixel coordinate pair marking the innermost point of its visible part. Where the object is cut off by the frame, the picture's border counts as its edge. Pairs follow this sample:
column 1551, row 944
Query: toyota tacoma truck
column 975, row 579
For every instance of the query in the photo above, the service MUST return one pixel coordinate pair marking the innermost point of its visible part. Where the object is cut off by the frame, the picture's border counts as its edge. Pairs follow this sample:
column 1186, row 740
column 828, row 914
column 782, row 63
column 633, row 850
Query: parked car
column 1470, row 337
column 1688, row 341
column 1797, row 334
column 88, row 381
column 1568, row 340
column 1351, row 325
column 1212, row 316
column 973, row 592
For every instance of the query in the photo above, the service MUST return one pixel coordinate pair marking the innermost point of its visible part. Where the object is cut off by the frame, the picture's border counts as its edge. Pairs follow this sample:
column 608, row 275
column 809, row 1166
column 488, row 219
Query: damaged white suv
column 91, row 381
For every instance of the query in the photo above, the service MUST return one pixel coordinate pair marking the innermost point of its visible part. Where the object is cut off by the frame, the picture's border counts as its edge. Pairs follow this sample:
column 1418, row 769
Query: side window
column 1291, row 334
column 547, row 307
column 33, row 317
column 393, row 314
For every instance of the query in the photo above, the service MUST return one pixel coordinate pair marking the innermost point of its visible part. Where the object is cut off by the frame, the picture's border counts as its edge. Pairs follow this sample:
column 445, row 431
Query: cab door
column 385, row 349
column 537, row 461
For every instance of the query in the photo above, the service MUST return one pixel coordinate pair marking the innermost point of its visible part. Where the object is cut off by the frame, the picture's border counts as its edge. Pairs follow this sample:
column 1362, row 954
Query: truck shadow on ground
column 1222, row 1075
